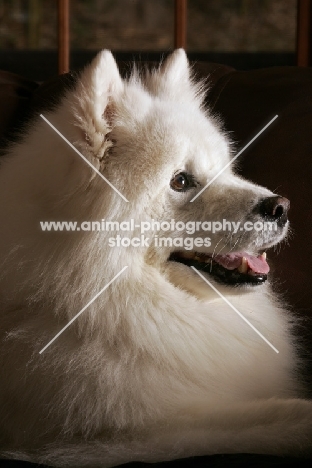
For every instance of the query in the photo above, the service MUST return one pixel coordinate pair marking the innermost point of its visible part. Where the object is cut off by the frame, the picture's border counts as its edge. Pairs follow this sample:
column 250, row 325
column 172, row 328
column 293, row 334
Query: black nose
column 274, row 209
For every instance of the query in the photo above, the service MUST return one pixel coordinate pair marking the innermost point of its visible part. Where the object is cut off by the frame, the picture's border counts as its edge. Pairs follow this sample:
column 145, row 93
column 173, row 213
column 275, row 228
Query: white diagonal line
column 232, row 160
column 235, row 310
column 82, row 156
column 82, row 310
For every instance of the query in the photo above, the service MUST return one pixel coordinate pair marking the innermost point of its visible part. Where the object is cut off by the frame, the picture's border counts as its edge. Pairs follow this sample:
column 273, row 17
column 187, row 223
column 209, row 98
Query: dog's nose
column 274, row 209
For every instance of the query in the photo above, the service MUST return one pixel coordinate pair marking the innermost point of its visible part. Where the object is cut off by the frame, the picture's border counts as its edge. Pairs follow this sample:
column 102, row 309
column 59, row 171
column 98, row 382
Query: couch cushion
column 15, row 92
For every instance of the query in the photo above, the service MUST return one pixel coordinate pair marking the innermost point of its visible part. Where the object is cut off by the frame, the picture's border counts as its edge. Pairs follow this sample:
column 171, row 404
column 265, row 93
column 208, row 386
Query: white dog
column 157, row 365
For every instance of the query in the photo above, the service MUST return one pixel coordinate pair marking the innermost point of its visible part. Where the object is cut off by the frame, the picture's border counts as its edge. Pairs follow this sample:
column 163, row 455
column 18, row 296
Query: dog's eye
column 182, row 181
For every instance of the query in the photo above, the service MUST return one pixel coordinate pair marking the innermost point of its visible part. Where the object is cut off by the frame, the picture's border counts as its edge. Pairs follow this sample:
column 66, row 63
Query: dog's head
column 172, row 161
column 166, row 165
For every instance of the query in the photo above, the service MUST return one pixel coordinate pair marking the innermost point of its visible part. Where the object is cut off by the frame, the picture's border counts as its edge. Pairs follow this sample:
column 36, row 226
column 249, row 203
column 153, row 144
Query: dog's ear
column 95, row 96
column 175, row 70
column 173, row 80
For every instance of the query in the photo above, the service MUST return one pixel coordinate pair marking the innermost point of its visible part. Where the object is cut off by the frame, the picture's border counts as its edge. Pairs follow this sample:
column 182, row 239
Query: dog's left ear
column 95, row 96
column 173, row 79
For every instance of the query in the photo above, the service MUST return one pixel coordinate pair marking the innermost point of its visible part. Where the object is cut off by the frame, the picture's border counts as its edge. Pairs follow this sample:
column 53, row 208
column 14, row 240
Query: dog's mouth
column 235, row 268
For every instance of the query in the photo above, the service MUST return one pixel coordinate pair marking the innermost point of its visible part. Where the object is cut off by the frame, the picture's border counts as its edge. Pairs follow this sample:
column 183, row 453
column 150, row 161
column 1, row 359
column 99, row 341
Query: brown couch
column 281, row 159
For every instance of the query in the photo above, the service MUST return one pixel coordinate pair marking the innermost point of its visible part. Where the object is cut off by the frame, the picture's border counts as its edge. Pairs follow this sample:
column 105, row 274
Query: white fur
column 158, row 367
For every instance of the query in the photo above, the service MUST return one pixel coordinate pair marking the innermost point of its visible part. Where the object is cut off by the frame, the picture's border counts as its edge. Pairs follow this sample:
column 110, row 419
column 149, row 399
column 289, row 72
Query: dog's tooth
column 264, row 255
column 243, row 266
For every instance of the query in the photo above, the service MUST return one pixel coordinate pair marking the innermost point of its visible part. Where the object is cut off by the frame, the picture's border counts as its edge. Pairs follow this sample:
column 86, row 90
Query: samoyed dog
column 156, row 337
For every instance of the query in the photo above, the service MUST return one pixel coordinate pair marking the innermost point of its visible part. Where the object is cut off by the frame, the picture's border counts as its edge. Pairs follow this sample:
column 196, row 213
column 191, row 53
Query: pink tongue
column 234, row 260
